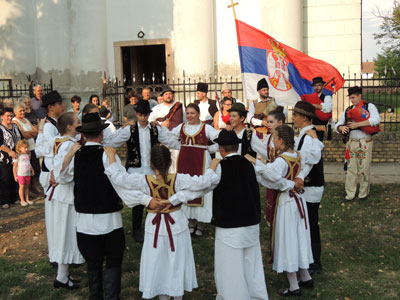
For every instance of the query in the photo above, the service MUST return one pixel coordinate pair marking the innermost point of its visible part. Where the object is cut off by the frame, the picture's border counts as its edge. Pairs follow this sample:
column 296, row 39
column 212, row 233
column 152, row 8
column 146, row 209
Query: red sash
column 360, row 113
column 314, row 99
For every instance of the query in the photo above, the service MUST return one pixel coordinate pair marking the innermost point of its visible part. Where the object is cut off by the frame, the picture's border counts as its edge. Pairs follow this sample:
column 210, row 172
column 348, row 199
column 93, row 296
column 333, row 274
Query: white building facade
column 76, row 41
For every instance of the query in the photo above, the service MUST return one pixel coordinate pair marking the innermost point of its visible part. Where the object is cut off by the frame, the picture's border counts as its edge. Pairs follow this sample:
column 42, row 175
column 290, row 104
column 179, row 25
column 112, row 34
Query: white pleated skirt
column 292, row 245
column 61, row 233
column 163, row 272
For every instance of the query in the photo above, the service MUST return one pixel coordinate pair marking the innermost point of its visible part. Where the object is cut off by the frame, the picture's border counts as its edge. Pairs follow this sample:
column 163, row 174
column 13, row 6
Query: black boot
column 112, row 283
column 316, row 267
column 95, row 285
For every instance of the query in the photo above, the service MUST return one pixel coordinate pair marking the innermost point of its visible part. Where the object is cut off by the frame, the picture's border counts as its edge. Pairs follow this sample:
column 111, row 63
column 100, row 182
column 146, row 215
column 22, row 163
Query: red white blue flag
column 289, row 72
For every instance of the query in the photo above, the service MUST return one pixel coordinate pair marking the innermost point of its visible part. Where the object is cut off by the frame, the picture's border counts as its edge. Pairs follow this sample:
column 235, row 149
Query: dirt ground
column 23, row 232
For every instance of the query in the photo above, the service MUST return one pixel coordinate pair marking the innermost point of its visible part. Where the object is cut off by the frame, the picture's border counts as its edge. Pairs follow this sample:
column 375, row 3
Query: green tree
column 388, row 63
column 389, row 34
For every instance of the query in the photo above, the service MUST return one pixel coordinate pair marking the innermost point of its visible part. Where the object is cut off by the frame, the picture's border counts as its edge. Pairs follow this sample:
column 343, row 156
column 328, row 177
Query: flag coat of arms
column 289, row 72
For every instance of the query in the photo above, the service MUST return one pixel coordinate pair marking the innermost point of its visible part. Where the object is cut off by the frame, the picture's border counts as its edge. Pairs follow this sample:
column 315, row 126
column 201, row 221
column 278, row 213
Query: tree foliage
column 388, row 63
column 389, row 34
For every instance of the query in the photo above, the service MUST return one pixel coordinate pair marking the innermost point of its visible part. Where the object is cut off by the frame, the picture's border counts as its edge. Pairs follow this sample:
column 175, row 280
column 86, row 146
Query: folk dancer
column 167, row 264
column 98, row 204
column 291, row 233
column 322, row 104
column 208, row 107
column 169, row 114
column 61, row 216
column 259, row 109
column 275, row 118
column 358, row 122
column 251, row 143
column 194, row 159
column 143, row 136
column 312, row 175
column 239, row 272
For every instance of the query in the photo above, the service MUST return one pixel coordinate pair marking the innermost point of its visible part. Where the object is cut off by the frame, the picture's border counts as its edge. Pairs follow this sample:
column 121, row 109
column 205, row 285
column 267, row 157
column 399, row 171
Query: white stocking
column 292, row 278
column 304, row 275
column 163, row 297
column 62, row 273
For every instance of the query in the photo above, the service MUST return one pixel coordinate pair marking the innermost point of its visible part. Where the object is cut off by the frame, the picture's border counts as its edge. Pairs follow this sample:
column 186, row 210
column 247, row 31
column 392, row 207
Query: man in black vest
column 98, row 204
column 310, row 148
column 143, row 137
column 208, row 107
column 251, row 144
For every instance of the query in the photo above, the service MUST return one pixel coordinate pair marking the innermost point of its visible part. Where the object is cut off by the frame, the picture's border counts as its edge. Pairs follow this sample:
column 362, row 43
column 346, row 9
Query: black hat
column 239, row 107
column 304, row 108
column 317, row 80
column 202, row 87
column 354, row 90
column 103, row 111
column 261, row 84
column 143, row 107
column 227, row 137
column 167, row 89
column 92, row 123
column 51, row 98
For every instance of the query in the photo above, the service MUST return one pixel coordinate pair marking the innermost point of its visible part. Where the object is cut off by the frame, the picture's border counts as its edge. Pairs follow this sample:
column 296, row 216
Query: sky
column 370, row 25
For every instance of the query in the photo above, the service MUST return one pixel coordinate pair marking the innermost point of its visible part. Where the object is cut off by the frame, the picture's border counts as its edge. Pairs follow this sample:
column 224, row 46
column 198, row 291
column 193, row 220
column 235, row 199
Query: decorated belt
column 168, row 222
column 300, row 206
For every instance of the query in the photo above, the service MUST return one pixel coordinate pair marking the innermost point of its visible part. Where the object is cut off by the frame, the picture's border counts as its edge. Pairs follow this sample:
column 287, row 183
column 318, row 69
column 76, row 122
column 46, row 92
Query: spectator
column 29, row 113
column 94, row 99
column 129, row 109
column 221, row 118
column 36, row 102
column 76, row 104
column 29, row 133
column 159, row 98
column 9, row 136
column 146, row 95
column 23, row 170
column 106, row 103
column 8, row 103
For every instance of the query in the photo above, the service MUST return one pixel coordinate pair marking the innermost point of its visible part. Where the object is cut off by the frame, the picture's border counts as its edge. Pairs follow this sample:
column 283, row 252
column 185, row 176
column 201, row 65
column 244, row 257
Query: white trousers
column 239, row 273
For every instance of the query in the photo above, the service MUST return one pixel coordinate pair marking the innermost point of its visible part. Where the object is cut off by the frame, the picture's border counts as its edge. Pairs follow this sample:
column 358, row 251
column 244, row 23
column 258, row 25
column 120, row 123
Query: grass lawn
column 360, row 244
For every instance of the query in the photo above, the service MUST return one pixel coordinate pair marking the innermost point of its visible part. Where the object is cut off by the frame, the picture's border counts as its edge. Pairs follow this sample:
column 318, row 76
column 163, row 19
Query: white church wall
column 332, row 32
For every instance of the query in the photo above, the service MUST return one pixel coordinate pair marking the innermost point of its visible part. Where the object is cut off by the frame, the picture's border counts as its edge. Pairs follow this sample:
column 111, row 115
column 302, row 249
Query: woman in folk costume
column 167, row 264
column 61, row 229
column 291, row 236
column 194, row 158
column 274, row 119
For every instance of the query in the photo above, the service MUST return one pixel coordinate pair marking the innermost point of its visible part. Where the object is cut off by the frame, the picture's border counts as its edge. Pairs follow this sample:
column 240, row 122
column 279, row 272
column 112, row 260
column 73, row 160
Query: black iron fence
column 9, row 90
column 383, row 92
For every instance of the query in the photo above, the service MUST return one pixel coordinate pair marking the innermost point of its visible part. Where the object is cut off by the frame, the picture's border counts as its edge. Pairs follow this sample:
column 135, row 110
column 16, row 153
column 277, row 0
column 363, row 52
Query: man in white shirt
column 359, row 122
column 322, row 104
column 208, row 107
column 98, row 204
column 169, row 114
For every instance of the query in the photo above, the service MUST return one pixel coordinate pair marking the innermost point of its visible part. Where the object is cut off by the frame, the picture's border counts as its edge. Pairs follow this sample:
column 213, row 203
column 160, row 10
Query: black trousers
column 8, row 186
column 35, row 164
column 96, row 248
column 137, row 217
column 313, row 218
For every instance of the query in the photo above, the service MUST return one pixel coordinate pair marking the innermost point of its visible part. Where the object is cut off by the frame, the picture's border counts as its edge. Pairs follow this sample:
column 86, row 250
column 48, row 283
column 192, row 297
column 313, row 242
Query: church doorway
column 144, row 62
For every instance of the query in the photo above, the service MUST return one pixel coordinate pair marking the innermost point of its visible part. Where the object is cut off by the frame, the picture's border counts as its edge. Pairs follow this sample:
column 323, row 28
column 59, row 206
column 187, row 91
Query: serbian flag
column 289, row 72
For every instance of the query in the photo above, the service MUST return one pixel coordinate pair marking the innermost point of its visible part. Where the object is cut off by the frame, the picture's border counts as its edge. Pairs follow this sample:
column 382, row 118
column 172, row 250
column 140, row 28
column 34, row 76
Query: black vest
column 246, row 143
column 316, row 175
column 133, row 158
column 236, row 199
column 93, row 191
column 212, row 109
